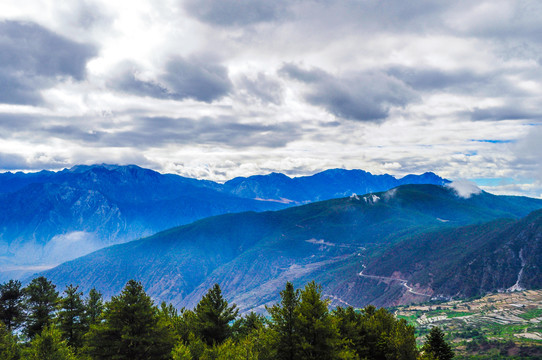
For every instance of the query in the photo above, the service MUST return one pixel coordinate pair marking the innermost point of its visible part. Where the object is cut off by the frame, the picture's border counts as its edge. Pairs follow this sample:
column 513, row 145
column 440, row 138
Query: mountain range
column 410, row 243
column 50, row 217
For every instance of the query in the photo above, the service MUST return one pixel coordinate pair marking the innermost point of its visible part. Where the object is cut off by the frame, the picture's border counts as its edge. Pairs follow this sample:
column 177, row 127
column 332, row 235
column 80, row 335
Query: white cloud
column 464, row 188
column 450, row 87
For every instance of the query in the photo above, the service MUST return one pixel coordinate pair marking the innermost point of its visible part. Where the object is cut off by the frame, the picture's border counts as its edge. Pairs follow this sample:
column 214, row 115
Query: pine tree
column 11, row 304
column 72, row 317
column 41, row 303
column 213, row 316
column 93, row 307
column 247, row 324
column 318, row 333
column 131, row 329
column 284, row 322
column 352, row 333
column 49, row 345
column 9, row 348
column 386, row 337
column 436, row 346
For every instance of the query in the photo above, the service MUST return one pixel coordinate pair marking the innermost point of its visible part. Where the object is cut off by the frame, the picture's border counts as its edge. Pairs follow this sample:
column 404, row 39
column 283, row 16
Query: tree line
column 37, row 323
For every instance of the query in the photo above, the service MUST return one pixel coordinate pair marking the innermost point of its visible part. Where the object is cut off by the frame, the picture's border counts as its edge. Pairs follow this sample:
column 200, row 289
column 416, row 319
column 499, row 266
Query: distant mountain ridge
column 49, row 217
column 252, row 255
column 325, row 185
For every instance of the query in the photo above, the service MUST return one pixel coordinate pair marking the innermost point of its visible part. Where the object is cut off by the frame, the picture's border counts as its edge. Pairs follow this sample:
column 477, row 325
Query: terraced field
column 494, row 326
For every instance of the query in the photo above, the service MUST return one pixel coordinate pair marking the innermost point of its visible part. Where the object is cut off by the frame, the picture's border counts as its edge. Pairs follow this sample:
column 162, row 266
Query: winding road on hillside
column 402, row 281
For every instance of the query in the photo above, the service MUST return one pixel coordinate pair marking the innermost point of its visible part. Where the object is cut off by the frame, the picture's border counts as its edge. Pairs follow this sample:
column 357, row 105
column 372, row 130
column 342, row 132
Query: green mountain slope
column 502, row 255
column 253, row 254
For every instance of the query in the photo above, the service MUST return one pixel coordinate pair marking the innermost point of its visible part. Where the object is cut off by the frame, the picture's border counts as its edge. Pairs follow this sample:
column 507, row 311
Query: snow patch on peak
column 371, row 199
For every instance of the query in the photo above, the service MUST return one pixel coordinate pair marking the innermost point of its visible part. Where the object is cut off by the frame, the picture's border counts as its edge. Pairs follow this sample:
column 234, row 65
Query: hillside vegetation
column 130, row 326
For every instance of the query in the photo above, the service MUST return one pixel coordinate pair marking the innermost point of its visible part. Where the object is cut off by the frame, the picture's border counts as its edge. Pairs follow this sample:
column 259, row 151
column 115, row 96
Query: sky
column 216, row 89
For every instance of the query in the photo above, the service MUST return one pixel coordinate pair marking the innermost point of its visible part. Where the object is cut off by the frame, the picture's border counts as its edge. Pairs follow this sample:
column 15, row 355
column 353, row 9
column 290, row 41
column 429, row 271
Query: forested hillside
column 39, row 323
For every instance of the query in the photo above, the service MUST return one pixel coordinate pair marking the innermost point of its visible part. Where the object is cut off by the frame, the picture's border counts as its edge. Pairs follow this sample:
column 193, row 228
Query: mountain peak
column 342, row 172
column 84, row 168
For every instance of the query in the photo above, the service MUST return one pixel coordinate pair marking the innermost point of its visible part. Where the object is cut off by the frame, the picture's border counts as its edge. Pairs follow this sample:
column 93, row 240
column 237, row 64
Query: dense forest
column 38, row 323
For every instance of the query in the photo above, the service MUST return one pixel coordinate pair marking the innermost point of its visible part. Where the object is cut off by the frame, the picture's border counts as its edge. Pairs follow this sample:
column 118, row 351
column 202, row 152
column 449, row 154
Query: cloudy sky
column 222, row 88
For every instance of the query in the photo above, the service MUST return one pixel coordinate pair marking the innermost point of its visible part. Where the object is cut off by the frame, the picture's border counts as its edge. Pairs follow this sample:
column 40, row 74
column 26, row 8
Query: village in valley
column 503, row 324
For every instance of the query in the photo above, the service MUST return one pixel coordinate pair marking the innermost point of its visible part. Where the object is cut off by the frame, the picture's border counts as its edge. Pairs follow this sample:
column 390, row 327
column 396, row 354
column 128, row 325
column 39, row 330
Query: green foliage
column 131, row 329
column 11, row 304
column 41, row 303
column 93, row 307
column 185, row 324
column 213, row 316
column 196, row 346
column 9, row 348
column 49, row 345
column 387, row 336
column 71, row 317
column 316, row 329
column 351, row 331
column 230, row 350
column 436, row 346
column 284, row 322
column 531, row 314
column 244, row 326
column 129, row 326
column 376, row 334
column 181, row 352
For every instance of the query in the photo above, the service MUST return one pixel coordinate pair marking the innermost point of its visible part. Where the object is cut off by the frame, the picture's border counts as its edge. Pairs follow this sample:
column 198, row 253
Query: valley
column 497, row 325
column 390, row 279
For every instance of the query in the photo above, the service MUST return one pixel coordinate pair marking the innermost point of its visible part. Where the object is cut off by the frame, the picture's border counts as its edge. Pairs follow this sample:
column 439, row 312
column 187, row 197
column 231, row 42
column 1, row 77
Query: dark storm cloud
column 362, row 96
column 32, row 58
column 236, row 12
column 262, row 88
column 194, row 78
